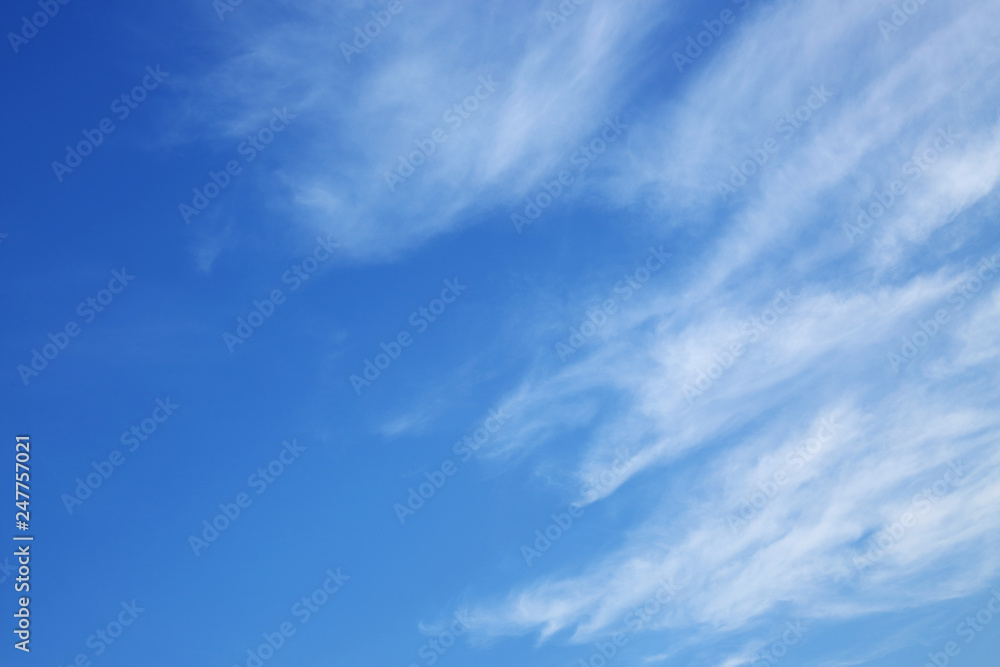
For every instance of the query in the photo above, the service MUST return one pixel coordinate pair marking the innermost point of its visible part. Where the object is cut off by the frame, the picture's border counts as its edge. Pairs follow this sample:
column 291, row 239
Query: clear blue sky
column 504, row 333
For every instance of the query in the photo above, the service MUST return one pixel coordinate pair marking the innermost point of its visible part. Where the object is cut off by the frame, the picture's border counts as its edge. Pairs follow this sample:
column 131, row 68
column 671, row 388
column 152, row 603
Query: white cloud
column 826, row 355
column 555, row 86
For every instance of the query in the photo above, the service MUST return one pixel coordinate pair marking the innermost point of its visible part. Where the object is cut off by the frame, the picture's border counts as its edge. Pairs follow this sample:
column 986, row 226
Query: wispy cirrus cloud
column 851, row 298
column 827, row 355
column 553, row 87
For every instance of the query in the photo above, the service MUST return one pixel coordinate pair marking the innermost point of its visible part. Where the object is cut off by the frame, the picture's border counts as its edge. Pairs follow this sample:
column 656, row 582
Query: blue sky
column 630, row 333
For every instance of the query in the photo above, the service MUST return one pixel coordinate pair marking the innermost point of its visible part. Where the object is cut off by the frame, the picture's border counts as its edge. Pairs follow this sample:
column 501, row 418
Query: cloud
column 769, row 265
column 826, row 354
column 549, row 88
